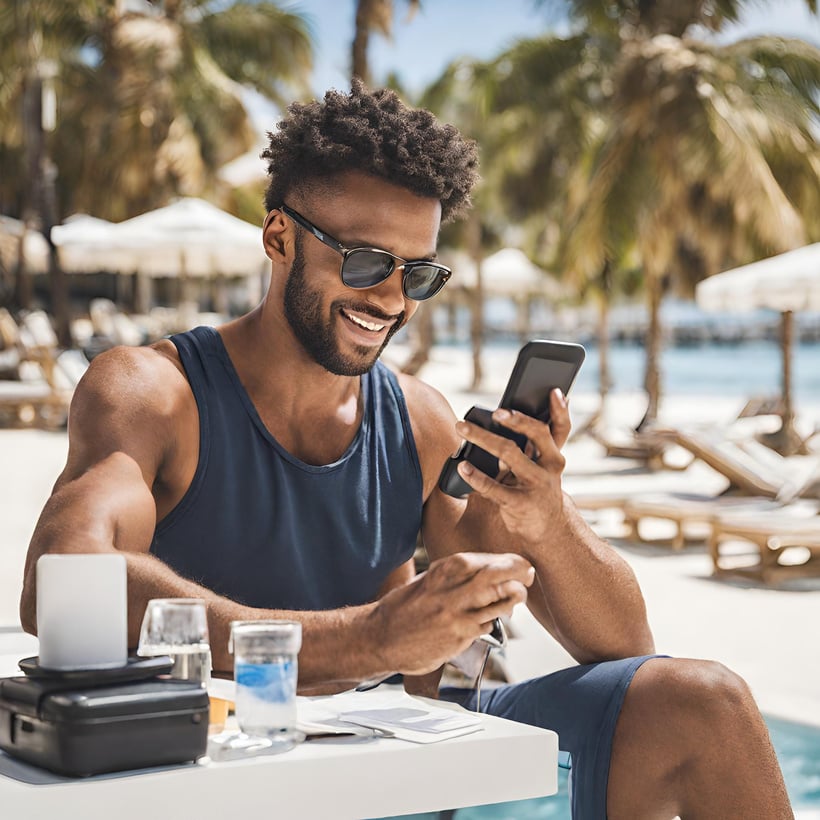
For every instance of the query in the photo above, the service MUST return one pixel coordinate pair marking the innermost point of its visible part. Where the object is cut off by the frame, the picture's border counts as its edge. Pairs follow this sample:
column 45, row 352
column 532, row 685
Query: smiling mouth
column 373, row 327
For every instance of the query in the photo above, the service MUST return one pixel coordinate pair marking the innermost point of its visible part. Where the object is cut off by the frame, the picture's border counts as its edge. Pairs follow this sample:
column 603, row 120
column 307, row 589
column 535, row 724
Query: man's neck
column 312, row 412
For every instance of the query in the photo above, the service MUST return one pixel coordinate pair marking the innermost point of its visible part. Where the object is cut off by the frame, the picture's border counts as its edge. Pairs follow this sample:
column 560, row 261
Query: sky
column 443, row 30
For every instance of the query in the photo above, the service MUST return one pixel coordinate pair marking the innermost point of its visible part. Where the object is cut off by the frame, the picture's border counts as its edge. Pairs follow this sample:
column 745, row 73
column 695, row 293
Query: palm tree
column 372, row 15
column 150, row 101
column 689, row 159
column 637, row 137
column 34, row 36
column 546, row 98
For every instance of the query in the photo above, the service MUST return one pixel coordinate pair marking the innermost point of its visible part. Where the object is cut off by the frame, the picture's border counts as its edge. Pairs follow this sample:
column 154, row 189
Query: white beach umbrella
column 787, row 283
column 508, row 272
column 86, row 244
column 189, row 238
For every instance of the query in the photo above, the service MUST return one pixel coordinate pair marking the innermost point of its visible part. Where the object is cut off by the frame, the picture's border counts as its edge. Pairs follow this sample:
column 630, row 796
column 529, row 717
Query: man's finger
column 502, row 594
column 493, row 569
column 504, row 449
column 560, row 422
column 546, row 449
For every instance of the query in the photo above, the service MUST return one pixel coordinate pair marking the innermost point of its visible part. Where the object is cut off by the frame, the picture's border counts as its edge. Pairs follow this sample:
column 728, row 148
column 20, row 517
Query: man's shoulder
column 433, row 423
column 149, row 377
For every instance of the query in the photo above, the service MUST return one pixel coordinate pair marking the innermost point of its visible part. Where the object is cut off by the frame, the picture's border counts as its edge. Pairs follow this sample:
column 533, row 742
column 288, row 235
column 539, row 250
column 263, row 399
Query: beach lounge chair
column 622, row 441
column 759, row 481
column 46, row 376
column 692, row 514
column 750, row 467
column 631, row 445
column 675, row 450
column 778, row 539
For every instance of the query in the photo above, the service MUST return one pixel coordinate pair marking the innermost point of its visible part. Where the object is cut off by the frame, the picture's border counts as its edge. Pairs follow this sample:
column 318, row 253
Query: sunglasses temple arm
column 308, row 226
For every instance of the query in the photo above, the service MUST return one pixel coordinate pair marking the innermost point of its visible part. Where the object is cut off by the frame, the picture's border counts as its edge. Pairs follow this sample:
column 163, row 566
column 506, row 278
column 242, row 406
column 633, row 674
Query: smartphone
column 540, row 367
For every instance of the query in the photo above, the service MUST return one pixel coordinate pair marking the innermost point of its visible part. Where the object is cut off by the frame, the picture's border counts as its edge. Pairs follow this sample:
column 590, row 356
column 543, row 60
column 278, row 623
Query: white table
column 320, row 779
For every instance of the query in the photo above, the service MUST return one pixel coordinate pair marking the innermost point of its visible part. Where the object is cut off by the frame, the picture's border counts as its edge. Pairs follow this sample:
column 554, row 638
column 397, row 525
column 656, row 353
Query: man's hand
column 442, row 611
column 527, row 491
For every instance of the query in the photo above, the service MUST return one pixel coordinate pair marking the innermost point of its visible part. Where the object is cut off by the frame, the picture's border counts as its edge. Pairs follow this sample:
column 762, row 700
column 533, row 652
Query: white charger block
column 82, row 611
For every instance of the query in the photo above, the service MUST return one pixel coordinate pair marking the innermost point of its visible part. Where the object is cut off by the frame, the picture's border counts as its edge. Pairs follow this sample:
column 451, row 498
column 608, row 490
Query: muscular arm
column 130, row 456
column 584, row 594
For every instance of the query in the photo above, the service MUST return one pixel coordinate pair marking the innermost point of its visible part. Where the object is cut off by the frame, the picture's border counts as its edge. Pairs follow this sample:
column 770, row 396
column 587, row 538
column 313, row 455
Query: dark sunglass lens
column 423, row 281
column 365, row 269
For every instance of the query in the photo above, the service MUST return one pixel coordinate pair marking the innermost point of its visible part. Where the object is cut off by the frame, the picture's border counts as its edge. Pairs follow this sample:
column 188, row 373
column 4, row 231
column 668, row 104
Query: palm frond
column 261, row 45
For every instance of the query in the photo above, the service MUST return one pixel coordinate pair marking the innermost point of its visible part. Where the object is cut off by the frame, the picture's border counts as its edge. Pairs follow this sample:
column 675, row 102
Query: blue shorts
column 582, row 705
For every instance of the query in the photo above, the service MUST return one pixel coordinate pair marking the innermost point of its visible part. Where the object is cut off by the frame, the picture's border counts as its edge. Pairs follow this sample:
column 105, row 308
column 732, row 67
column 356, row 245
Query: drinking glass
column 265, row 670
column 178, row 627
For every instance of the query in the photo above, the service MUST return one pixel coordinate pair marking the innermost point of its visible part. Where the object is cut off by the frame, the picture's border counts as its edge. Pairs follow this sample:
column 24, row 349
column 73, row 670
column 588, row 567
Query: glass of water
column 178, row 627
column 265, row 670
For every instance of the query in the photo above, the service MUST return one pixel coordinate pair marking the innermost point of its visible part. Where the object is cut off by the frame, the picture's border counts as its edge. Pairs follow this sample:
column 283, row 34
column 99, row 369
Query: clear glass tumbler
column 266, row 671
column 178, row 627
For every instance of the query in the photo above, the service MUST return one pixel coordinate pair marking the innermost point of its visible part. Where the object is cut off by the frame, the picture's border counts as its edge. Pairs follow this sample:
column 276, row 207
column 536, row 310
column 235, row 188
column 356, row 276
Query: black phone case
column 450, row 481
column 515, row 398
column 79, row 730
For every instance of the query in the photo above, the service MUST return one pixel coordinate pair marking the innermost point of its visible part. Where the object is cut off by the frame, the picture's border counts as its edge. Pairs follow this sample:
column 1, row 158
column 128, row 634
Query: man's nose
column 389, row 294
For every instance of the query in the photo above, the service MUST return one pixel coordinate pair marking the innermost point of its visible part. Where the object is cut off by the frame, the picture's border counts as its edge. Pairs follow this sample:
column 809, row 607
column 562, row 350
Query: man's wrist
column 373, row 633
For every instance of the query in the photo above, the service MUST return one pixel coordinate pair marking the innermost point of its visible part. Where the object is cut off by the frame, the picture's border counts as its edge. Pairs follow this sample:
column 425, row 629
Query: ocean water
column 728, row 370
column 742, row 370
column 798, row 751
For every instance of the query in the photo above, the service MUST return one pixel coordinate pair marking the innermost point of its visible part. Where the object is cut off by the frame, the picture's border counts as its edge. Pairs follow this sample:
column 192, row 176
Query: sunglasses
column 367, row 267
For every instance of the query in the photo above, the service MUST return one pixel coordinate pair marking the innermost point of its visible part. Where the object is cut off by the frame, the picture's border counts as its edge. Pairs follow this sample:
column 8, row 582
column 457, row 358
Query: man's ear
column 273, row 235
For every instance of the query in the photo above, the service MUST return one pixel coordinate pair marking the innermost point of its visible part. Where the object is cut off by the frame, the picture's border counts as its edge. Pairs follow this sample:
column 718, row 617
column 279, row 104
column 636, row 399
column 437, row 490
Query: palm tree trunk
column 604, row 377
column 22, row 295
column 60, row 304
column 652, row 379
column 787, row 331
column 42, row 205
column 476, row 297
column 361, row 38
column 477, row 329
column 32, row 89
column 787, row 441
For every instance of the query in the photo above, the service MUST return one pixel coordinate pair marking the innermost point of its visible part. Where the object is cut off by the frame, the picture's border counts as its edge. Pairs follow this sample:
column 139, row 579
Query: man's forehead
column 358, row 188
column 361, row 209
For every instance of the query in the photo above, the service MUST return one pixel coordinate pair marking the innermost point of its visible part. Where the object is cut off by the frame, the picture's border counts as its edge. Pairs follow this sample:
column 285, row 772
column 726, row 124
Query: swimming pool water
column 798, row 750
column 797, row 747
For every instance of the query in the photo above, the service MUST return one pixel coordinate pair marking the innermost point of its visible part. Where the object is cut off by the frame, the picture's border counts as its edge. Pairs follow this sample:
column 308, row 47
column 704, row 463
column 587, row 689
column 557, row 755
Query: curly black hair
column 376, row 133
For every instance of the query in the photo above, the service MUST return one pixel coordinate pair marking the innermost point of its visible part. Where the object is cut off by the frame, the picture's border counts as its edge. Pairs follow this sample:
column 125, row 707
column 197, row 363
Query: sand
column 767, row 635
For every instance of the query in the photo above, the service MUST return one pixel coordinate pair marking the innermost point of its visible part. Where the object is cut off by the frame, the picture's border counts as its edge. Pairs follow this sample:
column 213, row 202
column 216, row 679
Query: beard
column 315, row 331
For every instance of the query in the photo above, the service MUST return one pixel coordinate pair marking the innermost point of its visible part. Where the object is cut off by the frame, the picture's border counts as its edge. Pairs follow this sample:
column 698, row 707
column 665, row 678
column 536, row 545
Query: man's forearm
column 338, row 646
column 587, row 595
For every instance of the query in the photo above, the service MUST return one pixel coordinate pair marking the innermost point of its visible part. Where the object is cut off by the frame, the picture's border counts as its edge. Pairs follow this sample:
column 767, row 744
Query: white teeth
column 366, row 325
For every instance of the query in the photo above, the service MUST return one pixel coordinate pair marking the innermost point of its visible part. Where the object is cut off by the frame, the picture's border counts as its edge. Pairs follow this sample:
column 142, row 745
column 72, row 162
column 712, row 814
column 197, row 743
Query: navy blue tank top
column 265, row 529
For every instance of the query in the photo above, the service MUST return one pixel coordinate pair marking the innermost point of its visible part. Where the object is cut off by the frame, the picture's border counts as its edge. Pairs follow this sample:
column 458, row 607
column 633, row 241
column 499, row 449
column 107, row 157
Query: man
column 276, row 468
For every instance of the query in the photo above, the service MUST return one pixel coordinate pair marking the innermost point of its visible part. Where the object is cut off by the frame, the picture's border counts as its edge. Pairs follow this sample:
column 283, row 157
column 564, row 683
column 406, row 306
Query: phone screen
column 530, row 396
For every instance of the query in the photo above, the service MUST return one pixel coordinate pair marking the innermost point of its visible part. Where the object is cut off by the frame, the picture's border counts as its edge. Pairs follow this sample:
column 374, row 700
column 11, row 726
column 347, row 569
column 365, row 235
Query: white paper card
column 82, row 615
column 392, row 712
